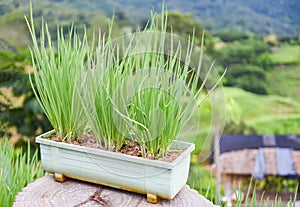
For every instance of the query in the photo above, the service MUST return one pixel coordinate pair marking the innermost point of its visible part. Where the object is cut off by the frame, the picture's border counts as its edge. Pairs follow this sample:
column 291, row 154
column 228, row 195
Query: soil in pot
column 130, row 147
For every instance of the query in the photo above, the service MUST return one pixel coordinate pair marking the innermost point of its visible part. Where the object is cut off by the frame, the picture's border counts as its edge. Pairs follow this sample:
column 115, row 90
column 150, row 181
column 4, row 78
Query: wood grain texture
column 46, row 192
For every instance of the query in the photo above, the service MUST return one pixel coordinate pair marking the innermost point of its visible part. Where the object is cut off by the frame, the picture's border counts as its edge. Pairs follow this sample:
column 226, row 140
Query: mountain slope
column 281, row 17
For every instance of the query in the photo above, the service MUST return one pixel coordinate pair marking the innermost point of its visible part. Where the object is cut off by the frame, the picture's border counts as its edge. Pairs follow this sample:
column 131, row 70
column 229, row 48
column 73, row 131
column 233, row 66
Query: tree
column 185, row 25
column 26, row 116
column 242, row 52
column 248, row 77
column 230, row 36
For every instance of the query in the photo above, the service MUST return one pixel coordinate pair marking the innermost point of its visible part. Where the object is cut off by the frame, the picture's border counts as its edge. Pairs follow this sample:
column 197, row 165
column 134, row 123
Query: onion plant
column 141, row 85
column 58, row 66
column 101, row 80
column 158, row 91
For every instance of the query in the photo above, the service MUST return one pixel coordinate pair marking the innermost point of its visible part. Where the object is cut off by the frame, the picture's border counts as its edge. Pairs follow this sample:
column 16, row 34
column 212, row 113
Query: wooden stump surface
column 46, row 192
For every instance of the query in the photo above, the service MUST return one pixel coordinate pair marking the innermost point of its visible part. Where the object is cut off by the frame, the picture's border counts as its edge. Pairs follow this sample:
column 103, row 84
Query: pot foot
column 151, row 198
column 59, row 177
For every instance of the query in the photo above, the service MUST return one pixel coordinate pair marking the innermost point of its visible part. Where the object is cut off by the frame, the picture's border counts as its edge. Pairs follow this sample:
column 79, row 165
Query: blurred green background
column 258, row 41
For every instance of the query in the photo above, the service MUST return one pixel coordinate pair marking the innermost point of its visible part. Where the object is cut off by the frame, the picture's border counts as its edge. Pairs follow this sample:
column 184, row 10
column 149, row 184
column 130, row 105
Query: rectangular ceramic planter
column 152, row 177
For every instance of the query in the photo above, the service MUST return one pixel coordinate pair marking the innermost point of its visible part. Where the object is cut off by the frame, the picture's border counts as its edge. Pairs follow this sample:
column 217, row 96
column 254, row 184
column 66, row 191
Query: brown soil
column 130, row 147
column 55, row 138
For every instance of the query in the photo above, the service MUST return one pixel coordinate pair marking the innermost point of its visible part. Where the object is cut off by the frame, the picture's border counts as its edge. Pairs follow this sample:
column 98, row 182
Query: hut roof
column 238, row 152
column 238, row 142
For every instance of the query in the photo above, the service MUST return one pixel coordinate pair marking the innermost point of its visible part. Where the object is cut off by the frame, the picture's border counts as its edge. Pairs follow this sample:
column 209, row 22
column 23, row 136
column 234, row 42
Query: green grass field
column 269, row 114
column 254, row 105
column 286, row 54
column 285, row 81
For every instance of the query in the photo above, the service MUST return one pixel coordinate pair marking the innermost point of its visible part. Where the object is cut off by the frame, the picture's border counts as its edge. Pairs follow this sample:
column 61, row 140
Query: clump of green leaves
column 158, row 91
column 203, row 181
column 101, row 80
column 137, row 87
column 58, row 67
column 17, row 169
column 252, row 200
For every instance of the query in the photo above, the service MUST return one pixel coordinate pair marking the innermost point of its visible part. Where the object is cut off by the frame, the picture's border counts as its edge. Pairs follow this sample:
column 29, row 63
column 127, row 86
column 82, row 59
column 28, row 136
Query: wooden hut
column 238, row 156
